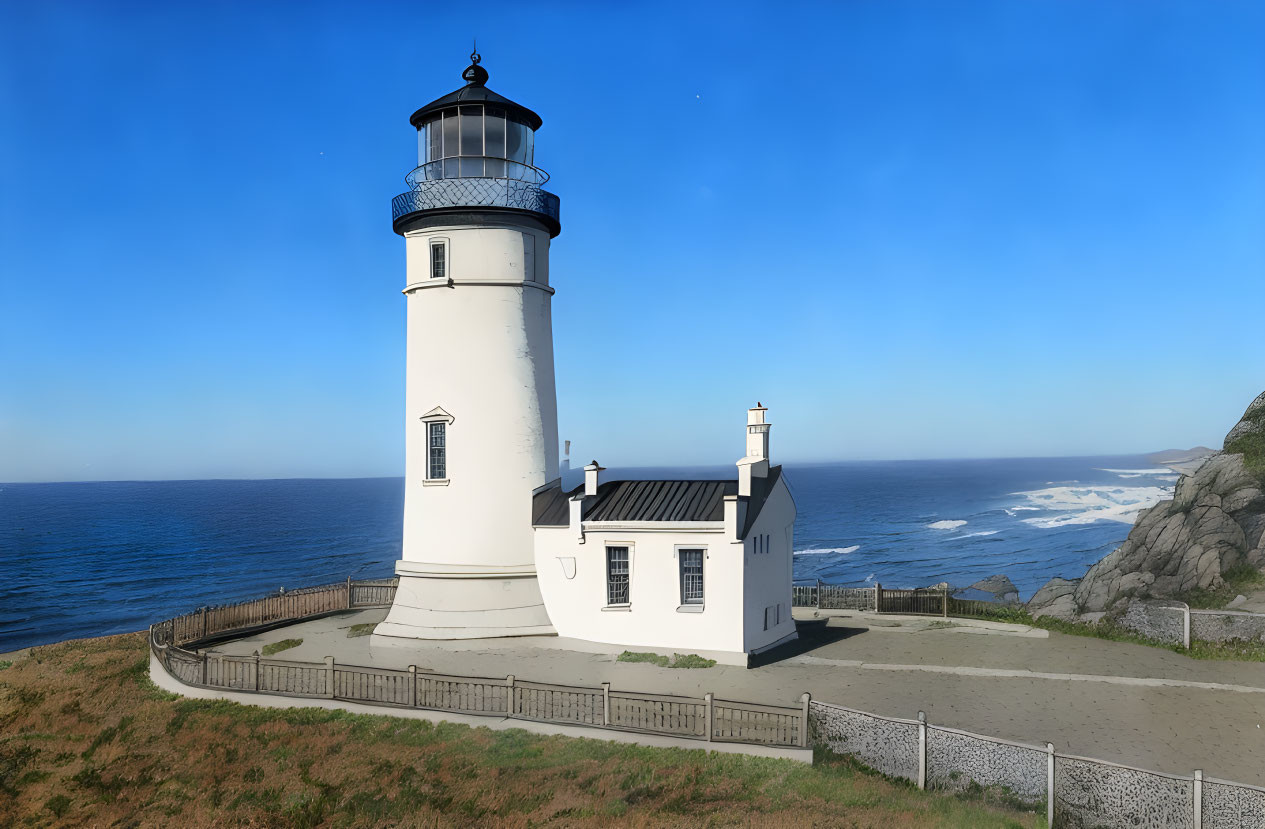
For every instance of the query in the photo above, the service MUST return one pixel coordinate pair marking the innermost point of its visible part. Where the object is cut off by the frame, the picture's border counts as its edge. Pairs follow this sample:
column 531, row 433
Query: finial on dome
column 475, row 75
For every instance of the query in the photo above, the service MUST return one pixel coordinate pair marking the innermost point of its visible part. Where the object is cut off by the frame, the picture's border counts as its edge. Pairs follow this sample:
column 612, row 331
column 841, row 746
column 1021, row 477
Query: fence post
column 204, row 667
column 606, row 703
column 1049, row 784
column 1186, row 629
column 922, row 750
column 1199, row 798
column 945, row 606
column 709, row 698
column 256, row 671
column 329, row 677
column 349, row 592
column 509, row 703
column 878, row 597
column 803, row 719
column 819, row 594
column 412, row 686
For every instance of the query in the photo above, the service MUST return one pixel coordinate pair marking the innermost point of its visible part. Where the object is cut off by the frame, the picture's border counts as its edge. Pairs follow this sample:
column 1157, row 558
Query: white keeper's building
column 493, row 545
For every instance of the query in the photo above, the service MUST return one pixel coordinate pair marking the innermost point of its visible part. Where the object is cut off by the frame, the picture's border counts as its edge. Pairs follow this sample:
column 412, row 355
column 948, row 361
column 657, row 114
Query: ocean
column 91, row 559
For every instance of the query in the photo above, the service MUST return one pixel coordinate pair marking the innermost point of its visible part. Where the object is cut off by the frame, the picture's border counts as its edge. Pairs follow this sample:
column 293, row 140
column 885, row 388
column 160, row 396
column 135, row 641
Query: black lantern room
column 475, row 149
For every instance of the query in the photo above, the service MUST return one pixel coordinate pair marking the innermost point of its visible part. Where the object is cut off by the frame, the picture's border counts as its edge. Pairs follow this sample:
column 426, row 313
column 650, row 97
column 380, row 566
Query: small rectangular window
column 691, row 562
column 616, row 575
column 437, row 449
column 438, row 260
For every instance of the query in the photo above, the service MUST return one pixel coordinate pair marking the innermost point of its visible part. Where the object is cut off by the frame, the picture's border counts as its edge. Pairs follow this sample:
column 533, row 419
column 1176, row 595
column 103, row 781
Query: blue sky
column 913, row 230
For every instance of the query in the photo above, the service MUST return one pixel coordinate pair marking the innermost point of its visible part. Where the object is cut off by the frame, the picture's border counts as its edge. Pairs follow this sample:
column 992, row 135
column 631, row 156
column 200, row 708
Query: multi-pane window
column 438, row 260
column 691, row 576
column 617, row 575
column 474, row 141
column 437, row 449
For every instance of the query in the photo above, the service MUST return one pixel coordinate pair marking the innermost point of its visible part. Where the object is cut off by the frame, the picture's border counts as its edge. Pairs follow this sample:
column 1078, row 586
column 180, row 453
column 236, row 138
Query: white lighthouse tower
column 481, row 411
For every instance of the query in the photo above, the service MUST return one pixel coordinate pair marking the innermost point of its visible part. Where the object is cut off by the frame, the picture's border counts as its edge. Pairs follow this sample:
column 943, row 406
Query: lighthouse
column 481, row 423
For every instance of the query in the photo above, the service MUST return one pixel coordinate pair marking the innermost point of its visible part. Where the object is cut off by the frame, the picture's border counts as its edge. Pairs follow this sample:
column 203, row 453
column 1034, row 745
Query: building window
column 437, row 451
column 616, row 575
column 691, row 576
column 438, row 260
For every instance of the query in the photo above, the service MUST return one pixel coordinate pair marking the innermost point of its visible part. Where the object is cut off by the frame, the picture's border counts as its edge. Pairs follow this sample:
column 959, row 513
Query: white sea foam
column 946, row 525
column 1134, row 473
column 839, row 551
column 979, row 534
column 1088, row 504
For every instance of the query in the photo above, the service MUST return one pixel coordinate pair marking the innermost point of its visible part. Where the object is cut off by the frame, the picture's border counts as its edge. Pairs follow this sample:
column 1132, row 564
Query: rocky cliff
column 1214, row 523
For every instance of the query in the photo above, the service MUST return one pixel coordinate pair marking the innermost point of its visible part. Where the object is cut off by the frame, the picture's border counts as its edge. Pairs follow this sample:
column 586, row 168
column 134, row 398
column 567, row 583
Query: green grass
column 361, row 630
column 678, row 660
column 1252, row 446
column 5, row 663
column 152, row 759
column 1238, row 580
column 283, row 645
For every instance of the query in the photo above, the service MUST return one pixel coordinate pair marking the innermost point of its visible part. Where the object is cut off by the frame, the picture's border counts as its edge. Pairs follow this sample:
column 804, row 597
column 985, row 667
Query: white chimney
column 565, row 466
column 590, row 478
column 755, row 464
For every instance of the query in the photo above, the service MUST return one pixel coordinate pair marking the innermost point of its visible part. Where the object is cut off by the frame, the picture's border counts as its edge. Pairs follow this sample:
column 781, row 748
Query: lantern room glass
column 476, row 141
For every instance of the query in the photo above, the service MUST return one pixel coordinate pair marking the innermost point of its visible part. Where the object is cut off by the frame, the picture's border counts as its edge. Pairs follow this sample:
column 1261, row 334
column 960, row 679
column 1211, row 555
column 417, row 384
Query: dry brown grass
column 86, row 739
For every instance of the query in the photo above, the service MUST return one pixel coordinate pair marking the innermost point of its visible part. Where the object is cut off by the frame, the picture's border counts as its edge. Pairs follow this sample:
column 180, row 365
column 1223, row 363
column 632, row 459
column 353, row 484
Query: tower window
column 438, row 260
column 691, row 562
column 616, row 575
column 437, row 451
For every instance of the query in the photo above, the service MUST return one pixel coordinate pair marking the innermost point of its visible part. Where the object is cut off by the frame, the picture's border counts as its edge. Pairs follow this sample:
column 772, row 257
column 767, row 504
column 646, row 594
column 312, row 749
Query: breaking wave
column 979, row 534
column 1088, row 504
column 946, row 525
column 839, row 551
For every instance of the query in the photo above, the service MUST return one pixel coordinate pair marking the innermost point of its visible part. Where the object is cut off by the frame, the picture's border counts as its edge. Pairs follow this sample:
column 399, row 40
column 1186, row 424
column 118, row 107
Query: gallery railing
column 506, row 192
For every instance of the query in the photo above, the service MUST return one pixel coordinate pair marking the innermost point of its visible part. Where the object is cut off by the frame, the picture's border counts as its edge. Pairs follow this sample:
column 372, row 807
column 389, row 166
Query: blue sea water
column 90, row 559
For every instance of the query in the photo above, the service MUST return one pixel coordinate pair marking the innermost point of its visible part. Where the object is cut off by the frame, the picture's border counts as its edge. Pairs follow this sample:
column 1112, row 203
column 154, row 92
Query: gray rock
column 1214, row 522
column 1237, row 601
column 1000, row 586
column 1055, row 599
column 1250, row 423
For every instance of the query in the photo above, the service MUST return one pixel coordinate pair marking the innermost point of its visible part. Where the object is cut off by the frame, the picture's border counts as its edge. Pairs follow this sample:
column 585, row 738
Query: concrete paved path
column 1132, row 704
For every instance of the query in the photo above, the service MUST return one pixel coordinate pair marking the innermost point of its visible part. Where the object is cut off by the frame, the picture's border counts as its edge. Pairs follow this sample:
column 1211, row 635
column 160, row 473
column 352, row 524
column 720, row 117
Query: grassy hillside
column 86, row 739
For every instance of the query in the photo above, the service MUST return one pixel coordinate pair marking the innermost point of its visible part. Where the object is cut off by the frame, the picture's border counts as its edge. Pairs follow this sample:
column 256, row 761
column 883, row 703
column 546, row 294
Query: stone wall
column 1161, row 621
column 1226, row 625
column 956, row 759
column 886, row 745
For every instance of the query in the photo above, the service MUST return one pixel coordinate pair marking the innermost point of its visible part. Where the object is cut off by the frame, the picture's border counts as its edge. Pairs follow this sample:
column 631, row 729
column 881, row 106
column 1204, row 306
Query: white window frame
column 436, row 416
column 606, row 569
column 691, row 606
column 440, row 242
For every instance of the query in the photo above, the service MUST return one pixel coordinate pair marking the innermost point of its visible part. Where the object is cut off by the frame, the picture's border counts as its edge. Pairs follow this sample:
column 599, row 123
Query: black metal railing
column 476, row 192
column 483, row 166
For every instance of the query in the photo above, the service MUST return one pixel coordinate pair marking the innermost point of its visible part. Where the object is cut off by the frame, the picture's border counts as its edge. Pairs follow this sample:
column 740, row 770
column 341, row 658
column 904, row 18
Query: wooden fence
column 930, row 601
column 176, row 644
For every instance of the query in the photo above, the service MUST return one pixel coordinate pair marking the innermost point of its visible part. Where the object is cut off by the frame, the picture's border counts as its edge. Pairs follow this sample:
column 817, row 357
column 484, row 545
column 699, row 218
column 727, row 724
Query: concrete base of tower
column 485, row 605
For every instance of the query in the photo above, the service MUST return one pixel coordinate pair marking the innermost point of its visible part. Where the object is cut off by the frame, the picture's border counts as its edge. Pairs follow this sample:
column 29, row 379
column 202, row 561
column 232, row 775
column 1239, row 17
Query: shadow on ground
column 813, row 634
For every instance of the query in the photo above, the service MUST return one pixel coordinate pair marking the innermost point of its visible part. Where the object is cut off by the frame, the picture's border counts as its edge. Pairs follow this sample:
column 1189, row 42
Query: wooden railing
column 176, row 644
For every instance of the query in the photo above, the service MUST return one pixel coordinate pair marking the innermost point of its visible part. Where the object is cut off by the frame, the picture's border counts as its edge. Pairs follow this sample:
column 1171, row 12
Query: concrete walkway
column 1132, row 704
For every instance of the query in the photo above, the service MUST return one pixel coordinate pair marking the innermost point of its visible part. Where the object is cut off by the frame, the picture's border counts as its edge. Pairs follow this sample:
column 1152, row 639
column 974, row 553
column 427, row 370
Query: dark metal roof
column 549, row 506
column 475, row 92
column 659, row 500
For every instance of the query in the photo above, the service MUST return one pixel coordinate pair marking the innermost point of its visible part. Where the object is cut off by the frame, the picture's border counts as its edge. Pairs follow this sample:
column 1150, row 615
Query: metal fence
column 175, row 643
column 1077, row 792
column 929, row 601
